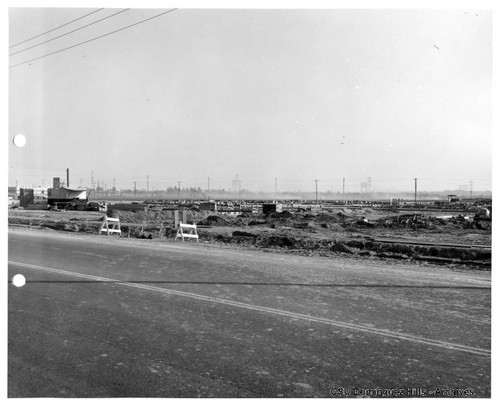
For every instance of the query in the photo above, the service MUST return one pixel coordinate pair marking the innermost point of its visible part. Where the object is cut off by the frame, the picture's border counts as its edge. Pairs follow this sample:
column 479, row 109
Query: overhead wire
column 56, row 28
column 69, row 32
column 92, row 39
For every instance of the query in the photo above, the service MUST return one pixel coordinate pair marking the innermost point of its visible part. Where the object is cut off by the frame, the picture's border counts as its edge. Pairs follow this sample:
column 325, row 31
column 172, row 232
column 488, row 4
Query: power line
column 53, row 29
column 70, row 32
column 93, row 39
column 316, row 181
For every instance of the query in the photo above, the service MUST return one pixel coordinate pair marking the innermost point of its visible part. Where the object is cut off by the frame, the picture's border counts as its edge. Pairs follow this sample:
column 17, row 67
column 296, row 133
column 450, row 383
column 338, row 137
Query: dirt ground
column 361, row 232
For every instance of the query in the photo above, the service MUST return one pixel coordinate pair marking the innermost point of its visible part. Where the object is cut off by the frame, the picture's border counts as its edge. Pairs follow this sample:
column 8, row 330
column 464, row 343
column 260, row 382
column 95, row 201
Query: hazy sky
column 293, row 94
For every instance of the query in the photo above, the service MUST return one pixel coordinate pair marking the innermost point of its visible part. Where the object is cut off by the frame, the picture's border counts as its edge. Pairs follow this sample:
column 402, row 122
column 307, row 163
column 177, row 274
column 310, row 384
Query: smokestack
column 67, row 178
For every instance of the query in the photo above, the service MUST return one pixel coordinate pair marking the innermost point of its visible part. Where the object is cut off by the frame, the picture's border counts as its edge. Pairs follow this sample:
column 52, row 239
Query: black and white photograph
column 255, row 200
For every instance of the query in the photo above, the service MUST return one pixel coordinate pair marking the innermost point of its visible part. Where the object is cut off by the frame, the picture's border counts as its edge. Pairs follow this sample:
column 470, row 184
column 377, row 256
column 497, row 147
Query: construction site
column 263, row 202
column 455, row 231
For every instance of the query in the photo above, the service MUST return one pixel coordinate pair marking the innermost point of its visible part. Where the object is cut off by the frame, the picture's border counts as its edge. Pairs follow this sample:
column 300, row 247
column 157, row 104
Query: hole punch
column 19, row 140
column 19, row 280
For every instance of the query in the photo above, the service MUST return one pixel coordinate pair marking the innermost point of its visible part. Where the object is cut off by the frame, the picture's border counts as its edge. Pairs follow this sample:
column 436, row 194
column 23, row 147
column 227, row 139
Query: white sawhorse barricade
column 186, row 231
column 110, row 225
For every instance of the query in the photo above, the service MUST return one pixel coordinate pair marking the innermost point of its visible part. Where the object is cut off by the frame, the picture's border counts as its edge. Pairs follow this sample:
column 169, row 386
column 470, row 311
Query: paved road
column 101, row 317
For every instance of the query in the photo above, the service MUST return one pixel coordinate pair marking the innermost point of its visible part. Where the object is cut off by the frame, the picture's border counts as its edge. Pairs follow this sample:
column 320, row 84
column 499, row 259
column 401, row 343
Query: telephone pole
column 316, row 181
column 415, row 188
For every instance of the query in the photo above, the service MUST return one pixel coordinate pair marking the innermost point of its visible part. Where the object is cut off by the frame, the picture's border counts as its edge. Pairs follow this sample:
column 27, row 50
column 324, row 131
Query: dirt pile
column 417, row 252
column 59, row 225
column 341, row 232
column 214, row 220
column 415, row 221
column 281, row 215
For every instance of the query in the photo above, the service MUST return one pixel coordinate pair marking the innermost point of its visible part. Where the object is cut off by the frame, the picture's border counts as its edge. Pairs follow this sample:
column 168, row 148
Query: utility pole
column 67, row 178
column 135, row 188
column 114, row 188
column 415, row 188
column 178, row 190
column 470, row 188
column 316, row 181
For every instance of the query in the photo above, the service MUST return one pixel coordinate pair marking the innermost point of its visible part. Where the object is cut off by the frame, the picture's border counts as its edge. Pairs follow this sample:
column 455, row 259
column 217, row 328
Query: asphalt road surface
column 109, row 317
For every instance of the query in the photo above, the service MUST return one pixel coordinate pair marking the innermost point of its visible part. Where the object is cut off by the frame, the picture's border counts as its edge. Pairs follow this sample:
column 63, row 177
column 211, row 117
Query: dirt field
column 360, row 232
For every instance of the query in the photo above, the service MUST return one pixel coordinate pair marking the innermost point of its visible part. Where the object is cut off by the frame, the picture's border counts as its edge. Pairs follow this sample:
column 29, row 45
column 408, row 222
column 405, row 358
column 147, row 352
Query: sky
column 295, row 95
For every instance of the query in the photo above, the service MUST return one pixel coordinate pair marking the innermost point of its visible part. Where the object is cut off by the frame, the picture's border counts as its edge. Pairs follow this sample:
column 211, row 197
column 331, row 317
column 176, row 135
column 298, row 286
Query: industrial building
column 56, row 197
